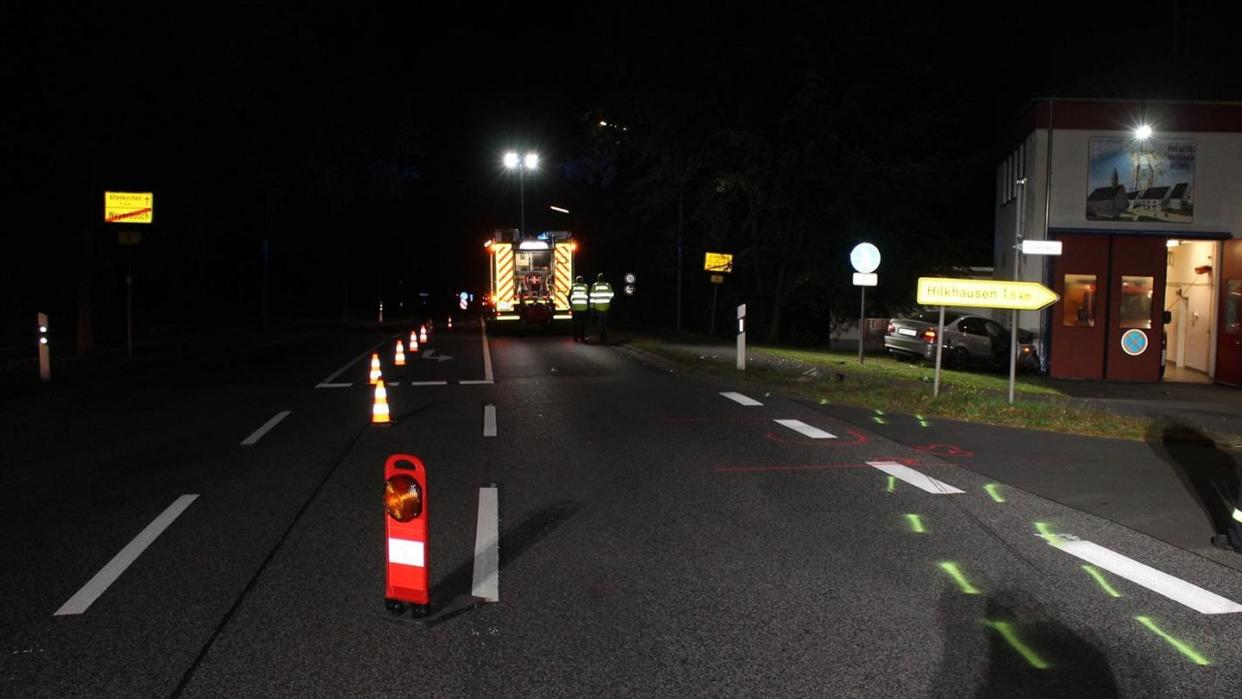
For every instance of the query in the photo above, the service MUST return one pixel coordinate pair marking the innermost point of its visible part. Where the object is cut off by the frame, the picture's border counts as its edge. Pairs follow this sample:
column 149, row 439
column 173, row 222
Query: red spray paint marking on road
column 945, row 450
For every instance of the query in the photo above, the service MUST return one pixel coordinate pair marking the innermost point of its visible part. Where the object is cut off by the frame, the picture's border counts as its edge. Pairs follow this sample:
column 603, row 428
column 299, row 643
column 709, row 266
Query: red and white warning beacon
column 405, row 505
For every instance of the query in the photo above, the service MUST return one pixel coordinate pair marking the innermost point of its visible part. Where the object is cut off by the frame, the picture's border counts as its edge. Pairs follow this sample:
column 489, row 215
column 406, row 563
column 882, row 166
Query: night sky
column 364, row 144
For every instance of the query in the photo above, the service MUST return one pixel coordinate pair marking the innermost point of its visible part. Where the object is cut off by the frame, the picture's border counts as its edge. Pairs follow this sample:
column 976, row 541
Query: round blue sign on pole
column 1134, row 342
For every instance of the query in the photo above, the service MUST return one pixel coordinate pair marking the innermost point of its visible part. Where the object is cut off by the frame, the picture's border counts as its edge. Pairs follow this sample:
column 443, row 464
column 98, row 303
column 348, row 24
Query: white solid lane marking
column 429, row 383
column 739, row 398
column 915, row 478
column 487, row 382
column 802, row 428
column 487, row 355
column 107, row 575
column 267, row 426
column 486, row 582
column 334, row 385
column 355, row 360
column 489, row 420
column 1157, row 581
column 407, row 552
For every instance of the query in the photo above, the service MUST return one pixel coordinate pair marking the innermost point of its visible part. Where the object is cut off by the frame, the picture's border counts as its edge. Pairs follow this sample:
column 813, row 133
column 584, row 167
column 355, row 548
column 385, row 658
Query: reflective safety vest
column 601, row 295
column 580, row 297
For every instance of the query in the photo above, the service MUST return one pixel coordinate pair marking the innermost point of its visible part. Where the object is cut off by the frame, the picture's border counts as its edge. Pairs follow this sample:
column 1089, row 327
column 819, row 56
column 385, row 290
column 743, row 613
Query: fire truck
column 530, row 277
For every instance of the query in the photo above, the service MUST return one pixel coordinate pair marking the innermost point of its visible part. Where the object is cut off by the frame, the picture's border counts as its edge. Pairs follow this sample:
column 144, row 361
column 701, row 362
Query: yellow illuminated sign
column 984, row 293
column 128, row 207
column 718, row 262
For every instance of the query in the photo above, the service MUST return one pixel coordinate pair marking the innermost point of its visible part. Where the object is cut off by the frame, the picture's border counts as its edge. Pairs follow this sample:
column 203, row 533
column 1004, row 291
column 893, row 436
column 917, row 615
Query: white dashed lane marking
column 806, row 430
column 107, row 575
column 486, row 579
column 489, row 420
column 267, row 426
column 915, row 478
column 1157, row 581
column 739, row 398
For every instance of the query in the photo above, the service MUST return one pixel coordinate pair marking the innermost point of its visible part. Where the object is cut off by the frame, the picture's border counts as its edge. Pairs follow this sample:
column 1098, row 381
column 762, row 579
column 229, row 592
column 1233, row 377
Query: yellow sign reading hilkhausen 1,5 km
column 984, row 293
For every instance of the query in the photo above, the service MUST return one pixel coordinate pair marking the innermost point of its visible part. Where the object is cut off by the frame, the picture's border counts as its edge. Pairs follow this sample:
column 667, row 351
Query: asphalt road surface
column 217, row 530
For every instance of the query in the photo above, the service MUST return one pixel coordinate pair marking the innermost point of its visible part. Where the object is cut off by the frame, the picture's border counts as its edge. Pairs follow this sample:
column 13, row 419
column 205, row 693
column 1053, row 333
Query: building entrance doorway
column 1190, row 298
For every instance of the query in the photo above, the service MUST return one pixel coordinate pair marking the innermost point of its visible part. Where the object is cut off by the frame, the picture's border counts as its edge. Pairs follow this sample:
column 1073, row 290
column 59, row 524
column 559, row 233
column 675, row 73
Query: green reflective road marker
column 1046, row 532
column 916, row 524
column 951, row 568
column 1005, row 629
column 924, row 423
column 1101, row 580
column 892, row 483
column 880, row 420
column 994, row 490
column 877, row 411
column 1181, row 646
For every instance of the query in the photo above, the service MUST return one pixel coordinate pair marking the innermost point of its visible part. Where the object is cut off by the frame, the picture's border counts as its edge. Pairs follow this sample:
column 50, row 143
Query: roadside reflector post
column 741, row 337
column 381, row 312
column 45, row 353
column 939, row 347
column 405, row 524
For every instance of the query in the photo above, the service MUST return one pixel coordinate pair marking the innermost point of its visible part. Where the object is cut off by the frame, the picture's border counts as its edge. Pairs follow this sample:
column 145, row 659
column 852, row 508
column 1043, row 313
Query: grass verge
column 963, row 396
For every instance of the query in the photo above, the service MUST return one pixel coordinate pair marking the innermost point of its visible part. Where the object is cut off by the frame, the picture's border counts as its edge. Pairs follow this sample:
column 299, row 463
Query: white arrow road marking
column 267, row 426
column 1157, row 581
column 431, row 354
column 489, row 420
column 915, row 478
column 107, row 575
column 486, row 582
column 805, row 429
column 739, row 398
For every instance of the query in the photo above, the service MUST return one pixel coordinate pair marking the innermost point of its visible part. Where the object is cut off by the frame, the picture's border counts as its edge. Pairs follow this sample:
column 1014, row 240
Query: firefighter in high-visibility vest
column 601, row 299
column 580, row 304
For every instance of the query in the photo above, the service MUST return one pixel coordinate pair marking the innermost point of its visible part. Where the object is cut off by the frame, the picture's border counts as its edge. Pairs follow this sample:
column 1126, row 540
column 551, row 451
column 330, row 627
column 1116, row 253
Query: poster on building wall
column 1145, row 181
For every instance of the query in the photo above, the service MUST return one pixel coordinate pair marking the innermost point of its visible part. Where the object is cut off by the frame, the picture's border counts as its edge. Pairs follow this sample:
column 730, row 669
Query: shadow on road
column 513, row 543
column 996, row 649
column 1208, row 474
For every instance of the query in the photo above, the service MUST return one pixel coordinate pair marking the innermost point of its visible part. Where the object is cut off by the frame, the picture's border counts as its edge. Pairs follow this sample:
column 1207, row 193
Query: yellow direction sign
column 984, row 293
column 128, row 207
column 718, row 262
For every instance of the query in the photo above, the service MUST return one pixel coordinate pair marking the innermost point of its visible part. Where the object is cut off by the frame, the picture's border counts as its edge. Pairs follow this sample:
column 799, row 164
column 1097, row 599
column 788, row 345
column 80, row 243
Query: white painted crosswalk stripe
column 739, row 398
column 804, row 429
column 915, row 478
column 1157, row 581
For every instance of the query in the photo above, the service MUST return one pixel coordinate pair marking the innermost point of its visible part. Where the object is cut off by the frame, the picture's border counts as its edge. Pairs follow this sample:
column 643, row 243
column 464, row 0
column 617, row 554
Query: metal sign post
column 865, row 258
column 741, row 337
column 939, row 347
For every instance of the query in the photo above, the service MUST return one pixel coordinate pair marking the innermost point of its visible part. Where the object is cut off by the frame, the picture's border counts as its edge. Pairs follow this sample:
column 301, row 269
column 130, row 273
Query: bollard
column 405, row 505
column 45, row 354
column 741, row 337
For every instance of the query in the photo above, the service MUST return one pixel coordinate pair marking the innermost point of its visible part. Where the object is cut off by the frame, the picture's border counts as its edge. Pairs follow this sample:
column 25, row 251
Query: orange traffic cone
column 379, row 411
column 422, row 334
column 375, row 368
column 400, row 360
